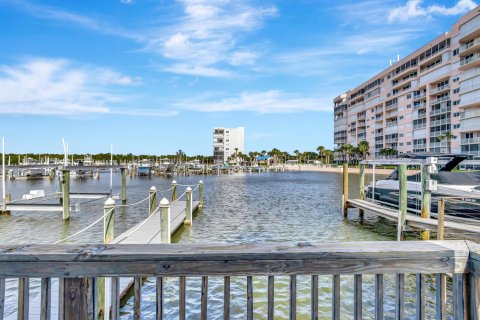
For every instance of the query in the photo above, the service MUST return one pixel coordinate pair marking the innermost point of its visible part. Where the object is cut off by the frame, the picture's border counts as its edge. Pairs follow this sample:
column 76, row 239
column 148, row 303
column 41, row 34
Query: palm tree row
column 353, row 155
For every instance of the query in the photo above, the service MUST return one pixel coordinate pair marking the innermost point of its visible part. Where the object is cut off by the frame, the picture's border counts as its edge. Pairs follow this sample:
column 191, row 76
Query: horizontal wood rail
column 78, row 265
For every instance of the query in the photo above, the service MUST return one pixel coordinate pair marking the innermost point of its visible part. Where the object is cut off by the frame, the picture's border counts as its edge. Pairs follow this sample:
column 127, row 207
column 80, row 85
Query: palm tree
column 328, row 156
column 363, row 147
column 321, row 151
column 297, row 154
column 347, row 151
column 447, row 136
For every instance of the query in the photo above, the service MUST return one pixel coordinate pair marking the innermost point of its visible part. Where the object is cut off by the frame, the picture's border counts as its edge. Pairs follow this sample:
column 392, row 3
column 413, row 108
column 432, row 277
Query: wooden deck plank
column 412, row 220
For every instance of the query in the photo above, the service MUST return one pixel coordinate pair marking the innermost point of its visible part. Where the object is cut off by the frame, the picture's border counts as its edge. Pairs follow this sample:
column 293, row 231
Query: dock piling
column 109, row 220
column 402, row 201
column 200, row 193
column 188, row 207
column 174, row 190
column 124, row 184
column 345, row 190
column 165, row 221
column 441, row 219
column 65, row 187
column 426, row 199
column 362, row 186
column 153, row 200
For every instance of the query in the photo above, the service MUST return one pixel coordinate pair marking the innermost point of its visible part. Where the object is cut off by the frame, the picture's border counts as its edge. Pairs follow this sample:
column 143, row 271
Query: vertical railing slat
column 182, row 283
column 441, row 296
column 249, row 298
column 159, row 294
column 2, row 297
column 399, row 296
column 314, row 297
column 293, row 297
column 45, row 298
column 204, row 306
column 271, row 298
column 226, row 298
column 420, row 293
column 336, row 297
column 115, row 296
column 475, row 297
column 357, row 310
column 379, row 297
column 457, row 296
column 61, row 298
column 23, row 294
column 78, row 299
column 137, row 298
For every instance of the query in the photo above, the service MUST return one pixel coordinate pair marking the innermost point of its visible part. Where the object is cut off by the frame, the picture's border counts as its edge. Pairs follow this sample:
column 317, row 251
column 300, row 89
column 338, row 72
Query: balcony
column 390, row 140
column 440, row 122
column 437, row 133
column 419, row 105
column 440, row 111
column 440, row 89
column 471, row 114
column 420, row 146
column 419, row 126
column 392, row 106
column 419, row 96
column 470, row 61
column 391, row 123
column 439, row 100
column 470, row 140
column 468, row 48
column 391, row 114
column 343, row 107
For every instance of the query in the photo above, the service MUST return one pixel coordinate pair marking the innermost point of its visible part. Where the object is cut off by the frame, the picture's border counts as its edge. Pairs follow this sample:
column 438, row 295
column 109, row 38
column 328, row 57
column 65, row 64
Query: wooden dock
column 149, row 232
column 412, row 220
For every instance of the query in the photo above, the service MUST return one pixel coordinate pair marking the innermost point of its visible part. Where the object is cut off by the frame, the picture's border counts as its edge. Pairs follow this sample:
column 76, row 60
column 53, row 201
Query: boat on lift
column 464, row 186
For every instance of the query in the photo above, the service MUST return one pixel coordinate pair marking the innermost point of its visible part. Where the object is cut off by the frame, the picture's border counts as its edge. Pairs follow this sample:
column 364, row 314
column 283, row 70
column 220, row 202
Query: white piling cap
column 164, row 202
column 153, row 188
column 188, row 189
column 110, row 202
column 174, row 182
column 201, row 181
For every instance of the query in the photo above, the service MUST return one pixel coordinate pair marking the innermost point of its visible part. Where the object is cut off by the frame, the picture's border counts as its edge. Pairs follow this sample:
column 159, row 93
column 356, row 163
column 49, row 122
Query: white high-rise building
column 227, row 141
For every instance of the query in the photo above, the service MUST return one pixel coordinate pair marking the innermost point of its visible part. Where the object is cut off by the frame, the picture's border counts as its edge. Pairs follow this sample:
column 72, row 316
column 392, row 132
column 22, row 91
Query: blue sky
column 156, row 76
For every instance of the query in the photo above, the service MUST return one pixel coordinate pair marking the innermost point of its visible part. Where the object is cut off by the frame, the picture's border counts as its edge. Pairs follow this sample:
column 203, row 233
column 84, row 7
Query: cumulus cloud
column 59, row 87
column 205, row 41
column 272, row 101
column 414, row 9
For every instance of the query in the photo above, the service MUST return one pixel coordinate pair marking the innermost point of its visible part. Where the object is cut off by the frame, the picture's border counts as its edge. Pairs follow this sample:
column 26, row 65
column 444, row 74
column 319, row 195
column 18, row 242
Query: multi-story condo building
column 226, row 142
column 418, row 99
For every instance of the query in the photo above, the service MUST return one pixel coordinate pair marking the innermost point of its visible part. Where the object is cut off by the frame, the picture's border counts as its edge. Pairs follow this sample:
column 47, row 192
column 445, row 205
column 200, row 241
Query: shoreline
column 340, row 170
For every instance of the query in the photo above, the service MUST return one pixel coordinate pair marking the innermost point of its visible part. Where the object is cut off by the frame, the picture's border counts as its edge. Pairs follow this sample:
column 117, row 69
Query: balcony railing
column 391, row 123
column 466, row 46
column 419, row 105
column 440, row 89
column 440, row 122
column 419, row 96
column 439, row 100
column 419, row 126
column 470, row 140
column 214, row 264
column 440, row 111
column 391, row 114
column 473, row 58
column 470, row 114
column 391, row 106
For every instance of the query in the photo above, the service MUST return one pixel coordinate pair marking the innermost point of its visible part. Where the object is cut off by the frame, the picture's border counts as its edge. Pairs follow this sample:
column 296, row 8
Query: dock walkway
column 412, row 220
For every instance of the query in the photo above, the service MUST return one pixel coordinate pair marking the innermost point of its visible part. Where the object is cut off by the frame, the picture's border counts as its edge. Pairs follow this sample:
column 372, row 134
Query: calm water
column 267, row 207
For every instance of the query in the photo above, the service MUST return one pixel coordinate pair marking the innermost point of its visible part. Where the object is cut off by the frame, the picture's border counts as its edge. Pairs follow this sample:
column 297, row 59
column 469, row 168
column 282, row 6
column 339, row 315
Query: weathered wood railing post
column 345, row 190
column 123, row 171
column 109, row 221
column 361, row 191
column 174, row 190
column 165, row 221
column 78, row 299
column 65, row 183
column 441, row 278
column 152, row 203
column 402, row 201
column 441, row 219
column 200, row 193
column 426, row 198
column 188, row 207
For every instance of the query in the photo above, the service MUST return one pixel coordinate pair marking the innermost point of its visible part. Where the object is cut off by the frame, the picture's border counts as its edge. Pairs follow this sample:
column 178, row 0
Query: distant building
column 411, row 105
column 227, row 141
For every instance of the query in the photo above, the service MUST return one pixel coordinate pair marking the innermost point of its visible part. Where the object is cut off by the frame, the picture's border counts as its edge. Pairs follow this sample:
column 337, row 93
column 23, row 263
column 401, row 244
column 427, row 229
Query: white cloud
column 61, row 87
column 205, row 41
column 414, row 9
column 272, row 101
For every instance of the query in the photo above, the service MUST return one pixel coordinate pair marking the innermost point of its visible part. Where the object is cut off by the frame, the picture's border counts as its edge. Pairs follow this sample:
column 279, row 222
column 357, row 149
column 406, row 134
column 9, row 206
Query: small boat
column 145, row 168
column 32, row 173
column 463, row 185
column 79, row 173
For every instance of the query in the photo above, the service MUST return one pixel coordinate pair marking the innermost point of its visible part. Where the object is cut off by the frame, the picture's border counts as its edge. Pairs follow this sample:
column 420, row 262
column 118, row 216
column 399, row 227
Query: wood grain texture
column 78, row 299
column 2, row 297
column 115, row 296
column 399, row 296
column 293, row 297
column 204, row 304
column 226, row 298
column 420, row 295
column 314, row 297
column 379, row 297
column 336, row 297
column 441, row 296
column 357, row 297
column 182, row 284
column 23, row 298
column 249, row 298
column 137, row 298
column 159, row 299
column 45, row 299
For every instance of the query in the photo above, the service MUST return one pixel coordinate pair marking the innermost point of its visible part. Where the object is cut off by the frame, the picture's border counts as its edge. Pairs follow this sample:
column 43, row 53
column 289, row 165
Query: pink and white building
column 410, row 104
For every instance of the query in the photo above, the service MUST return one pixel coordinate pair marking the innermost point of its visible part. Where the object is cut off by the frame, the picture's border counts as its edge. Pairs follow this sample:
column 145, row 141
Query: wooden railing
column 77, row 266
